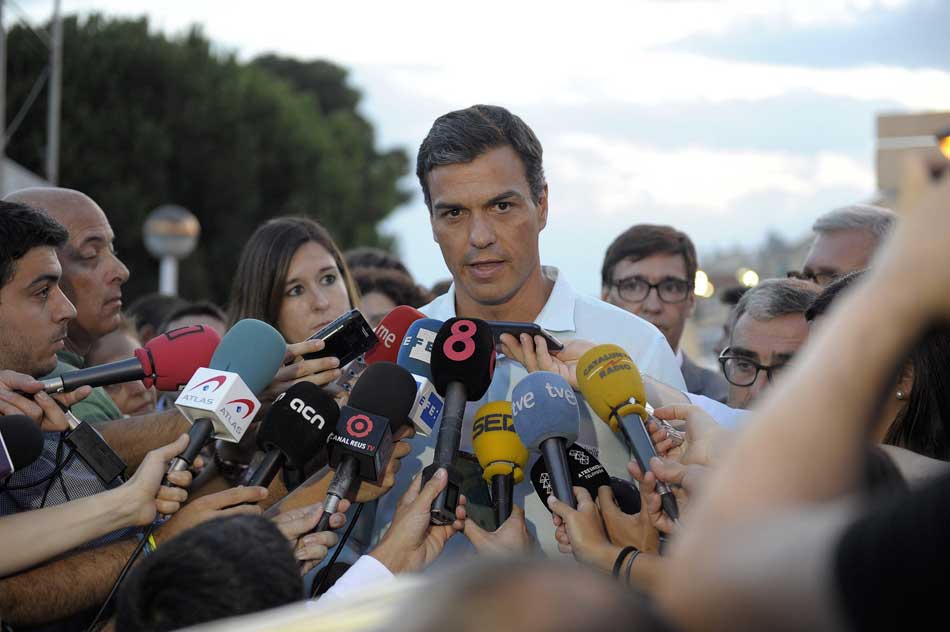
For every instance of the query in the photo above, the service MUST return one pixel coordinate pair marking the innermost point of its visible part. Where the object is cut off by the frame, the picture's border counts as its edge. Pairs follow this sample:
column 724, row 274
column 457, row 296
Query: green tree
column 149, row 119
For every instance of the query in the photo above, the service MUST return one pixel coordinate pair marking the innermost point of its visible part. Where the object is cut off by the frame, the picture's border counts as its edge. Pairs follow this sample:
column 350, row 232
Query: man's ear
column 543, row 208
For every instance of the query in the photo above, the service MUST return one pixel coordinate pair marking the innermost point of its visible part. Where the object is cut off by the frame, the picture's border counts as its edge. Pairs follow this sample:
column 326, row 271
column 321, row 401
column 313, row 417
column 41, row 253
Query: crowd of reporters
column 503, row 452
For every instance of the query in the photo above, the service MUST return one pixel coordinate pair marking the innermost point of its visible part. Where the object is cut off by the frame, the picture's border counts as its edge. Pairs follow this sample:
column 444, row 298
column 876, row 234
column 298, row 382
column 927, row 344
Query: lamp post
column 170, row 234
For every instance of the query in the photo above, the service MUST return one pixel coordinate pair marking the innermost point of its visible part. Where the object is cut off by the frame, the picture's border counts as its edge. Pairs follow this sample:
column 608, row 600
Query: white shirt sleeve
column 365, row 572
column 732, row 418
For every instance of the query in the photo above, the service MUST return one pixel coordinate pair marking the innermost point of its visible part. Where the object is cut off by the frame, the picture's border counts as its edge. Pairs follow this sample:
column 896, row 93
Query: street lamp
column 170, row 233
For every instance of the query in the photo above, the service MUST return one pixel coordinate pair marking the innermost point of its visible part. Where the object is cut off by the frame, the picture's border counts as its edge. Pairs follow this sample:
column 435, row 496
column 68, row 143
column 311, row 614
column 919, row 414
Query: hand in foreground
column 310, row 548
column 230, row 502
column 41, row 407
column 320, row 371
column 371, row 491
column 581, row 533
column 145, row 492
column 682, row 480
column 706, row 441
column 412, row 542
column 533, row 354
column 624, row 529
column 511, row 538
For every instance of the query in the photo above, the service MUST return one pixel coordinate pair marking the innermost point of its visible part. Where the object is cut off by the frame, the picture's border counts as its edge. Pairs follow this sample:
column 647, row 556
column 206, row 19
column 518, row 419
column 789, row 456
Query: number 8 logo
column 462, row 332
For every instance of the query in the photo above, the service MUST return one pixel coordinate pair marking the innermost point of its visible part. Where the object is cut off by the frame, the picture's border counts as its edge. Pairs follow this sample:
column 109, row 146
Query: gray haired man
column 845, row 241
column 768, row 328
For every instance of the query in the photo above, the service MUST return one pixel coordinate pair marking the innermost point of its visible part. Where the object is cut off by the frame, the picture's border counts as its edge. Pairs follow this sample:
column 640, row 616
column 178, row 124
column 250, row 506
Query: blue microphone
column 546, row 418
column 415, row 355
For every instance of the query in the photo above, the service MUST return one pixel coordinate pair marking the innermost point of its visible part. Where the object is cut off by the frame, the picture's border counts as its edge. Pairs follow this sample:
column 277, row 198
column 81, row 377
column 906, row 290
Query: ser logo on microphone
column 492, row 422
column 307, row 412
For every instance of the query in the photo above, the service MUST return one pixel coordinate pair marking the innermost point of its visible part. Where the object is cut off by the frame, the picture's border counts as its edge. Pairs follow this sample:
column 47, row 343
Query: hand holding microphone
column 612, row 386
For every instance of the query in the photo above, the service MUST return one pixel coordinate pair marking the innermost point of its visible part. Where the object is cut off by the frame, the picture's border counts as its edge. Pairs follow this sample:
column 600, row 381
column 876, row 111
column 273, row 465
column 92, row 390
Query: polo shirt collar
column 556, row 315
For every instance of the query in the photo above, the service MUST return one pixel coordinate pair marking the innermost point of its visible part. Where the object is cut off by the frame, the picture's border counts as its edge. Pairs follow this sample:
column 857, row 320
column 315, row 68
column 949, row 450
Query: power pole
column 55, row 96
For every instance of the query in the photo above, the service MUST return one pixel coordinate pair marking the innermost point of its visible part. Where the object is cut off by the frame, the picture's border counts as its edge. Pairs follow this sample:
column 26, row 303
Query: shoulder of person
column 593, row 312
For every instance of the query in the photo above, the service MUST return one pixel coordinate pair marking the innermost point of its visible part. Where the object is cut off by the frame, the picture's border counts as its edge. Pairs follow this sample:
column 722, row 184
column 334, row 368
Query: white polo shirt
column 567, row 315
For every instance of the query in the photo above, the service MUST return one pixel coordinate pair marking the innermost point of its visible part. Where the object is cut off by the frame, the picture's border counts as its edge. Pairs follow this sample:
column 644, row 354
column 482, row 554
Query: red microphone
column 391, row 331
column 167, row 361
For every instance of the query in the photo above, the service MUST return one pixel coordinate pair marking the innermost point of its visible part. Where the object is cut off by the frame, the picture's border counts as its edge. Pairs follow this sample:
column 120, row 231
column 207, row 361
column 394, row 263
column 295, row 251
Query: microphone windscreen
column 463, row 351
column 415, row 352
column 252, row 349
column 178, row 353
column 627, row 495
column 391, row 330
column 23, row 439
column 586, row 472
column 385, row 389
column 609, row 379
column 544, row 406
column 299, row 423
column 497, row 446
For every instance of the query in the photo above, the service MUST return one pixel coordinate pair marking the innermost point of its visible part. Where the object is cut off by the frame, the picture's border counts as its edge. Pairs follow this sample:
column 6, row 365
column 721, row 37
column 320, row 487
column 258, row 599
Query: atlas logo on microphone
column 206, row 386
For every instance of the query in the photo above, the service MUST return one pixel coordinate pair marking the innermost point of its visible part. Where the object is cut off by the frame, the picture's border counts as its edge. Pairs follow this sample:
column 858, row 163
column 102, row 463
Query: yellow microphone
column 500, row 453
column 613, row 387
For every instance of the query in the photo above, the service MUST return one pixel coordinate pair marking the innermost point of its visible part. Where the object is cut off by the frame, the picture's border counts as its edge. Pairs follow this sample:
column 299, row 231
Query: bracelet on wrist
column 624, row 552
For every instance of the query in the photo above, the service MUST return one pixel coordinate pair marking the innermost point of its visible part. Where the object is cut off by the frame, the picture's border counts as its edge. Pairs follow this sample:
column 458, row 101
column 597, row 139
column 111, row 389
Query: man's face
column 769, row 343
column 34, row 314
column 670, row 318
column 487, row 224
column 92, row 274
column 837, row 253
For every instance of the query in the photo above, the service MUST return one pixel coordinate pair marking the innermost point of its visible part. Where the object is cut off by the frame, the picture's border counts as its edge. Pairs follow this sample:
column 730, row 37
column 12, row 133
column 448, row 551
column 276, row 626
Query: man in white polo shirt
column 483, row 180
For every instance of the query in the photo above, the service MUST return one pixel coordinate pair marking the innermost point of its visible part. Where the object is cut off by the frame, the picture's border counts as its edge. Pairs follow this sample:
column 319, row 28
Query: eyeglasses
column 743, row 371
column 635, row 289
column 823, row 279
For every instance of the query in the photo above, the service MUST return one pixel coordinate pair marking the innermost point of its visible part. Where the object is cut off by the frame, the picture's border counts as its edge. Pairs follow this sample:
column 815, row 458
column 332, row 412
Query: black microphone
column 463, row 362
column 21, row 443
column 296, row 427
column 584, row 471
column 626, row 495
column 362, row 442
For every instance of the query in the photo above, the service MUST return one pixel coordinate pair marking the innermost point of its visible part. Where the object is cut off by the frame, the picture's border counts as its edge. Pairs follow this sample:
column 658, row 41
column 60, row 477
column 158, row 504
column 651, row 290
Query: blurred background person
column 382, row 289
column 149, row 311
column 369, row 257
column 199, row 313
column 650, row 271
column 132, row 398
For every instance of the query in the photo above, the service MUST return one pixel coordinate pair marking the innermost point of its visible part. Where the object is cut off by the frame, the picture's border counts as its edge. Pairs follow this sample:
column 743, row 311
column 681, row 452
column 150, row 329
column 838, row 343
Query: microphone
column 295, row 428
column 362, row 442
column 390, row 331
column 167, row 361
column 585, row 471
column 626, row 494
column 612, row 385
column 415, row 355
column 546, row 418
column 500, row 453
column 220, row 401
column 463, row 362
column 21, row 443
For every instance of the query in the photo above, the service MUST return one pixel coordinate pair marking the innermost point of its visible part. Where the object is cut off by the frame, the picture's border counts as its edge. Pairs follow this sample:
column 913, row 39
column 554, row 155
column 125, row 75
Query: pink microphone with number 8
column 463, row 361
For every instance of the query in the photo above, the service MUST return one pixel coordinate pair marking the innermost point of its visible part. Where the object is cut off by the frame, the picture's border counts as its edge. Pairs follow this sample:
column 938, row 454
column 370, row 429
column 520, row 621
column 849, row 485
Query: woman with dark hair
column 916, row 413
column 291, row 275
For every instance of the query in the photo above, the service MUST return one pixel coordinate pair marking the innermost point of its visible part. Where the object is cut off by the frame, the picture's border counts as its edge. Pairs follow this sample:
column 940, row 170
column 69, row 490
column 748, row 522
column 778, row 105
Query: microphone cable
column 339, row 548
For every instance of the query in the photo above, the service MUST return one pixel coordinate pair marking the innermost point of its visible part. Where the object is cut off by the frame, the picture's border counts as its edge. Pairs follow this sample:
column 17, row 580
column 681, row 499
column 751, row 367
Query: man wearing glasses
column 768, row 328
column 649, row 271
column 845, row 241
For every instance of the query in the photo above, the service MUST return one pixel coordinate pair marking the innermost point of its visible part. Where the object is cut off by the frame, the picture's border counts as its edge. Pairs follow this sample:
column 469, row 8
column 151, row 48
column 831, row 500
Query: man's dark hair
column 369, row 257
column 398, row 287
column 151, row 310
column 923, row 426
column 223, row 568
column 23, row 228
column 200, row 308
column 464, row 135
column 645, row 240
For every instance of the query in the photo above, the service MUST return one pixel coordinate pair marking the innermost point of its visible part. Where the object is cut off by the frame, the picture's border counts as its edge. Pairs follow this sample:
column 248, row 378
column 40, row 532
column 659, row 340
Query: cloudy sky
column 725, row 119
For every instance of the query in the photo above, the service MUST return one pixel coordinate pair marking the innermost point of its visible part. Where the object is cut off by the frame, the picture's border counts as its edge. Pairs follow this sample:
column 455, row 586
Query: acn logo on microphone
column 307, row 412
column 359, row 426
column 207, row 385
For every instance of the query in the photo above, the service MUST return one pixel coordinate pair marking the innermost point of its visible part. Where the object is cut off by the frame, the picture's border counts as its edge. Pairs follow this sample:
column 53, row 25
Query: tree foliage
column 149, row 119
